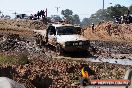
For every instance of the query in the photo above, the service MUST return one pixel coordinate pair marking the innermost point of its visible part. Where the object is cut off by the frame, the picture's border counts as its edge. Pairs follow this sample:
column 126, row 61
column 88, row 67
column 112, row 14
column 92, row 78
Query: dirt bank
column 108, row 31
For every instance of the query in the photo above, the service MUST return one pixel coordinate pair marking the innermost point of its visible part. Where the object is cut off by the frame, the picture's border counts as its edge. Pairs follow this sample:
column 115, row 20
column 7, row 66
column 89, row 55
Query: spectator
column 38, row 14
column 43, row 13
column 116, row 20
column 130, row 19
column 108, row 28
column 35, row 17
column 92, row 27
column 122, row 19
column 31, row 17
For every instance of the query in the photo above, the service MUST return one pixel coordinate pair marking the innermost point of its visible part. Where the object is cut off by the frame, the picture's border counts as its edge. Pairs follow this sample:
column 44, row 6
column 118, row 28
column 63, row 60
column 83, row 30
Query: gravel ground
column 42, row 71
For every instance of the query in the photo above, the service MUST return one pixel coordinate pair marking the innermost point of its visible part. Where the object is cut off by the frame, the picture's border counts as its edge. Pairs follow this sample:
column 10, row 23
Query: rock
column 9, row 83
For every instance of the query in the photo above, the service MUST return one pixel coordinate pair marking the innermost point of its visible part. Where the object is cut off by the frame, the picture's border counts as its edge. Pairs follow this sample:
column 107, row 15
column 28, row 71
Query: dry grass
column 21, row 27
column 13, row 60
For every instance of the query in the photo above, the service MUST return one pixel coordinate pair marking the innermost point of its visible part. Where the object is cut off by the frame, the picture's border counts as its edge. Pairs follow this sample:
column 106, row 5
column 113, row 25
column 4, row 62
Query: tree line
column 67, row 16
column 108, row 14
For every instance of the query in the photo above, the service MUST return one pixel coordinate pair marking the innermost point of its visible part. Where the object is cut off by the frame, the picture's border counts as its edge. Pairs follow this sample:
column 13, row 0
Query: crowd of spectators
column 126, row 18
column 38, row 15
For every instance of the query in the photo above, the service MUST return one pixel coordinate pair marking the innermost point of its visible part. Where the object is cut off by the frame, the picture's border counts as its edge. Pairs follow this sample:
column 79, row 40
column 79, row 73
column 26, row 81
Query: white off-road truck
column 65, row 37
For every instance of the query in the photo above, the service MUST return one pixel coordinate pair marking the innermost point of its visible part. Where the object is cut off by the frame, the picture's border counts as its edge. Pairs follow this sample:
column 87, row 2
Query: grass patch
column 23, row 59
column 12, row 59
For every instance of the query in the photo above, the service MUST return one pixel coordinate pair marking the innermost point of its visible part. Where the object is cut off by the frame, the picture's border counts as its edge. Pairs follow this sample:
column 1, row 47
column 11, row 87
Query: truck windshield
column 66, row 31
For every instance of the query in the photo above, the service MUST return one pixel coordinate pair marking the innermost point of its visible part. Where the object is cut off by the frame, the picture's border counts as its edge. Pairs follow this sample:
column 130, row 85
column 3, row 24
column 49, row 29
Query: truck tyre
column 58, row 50
column 128, row 76
column 39, row 40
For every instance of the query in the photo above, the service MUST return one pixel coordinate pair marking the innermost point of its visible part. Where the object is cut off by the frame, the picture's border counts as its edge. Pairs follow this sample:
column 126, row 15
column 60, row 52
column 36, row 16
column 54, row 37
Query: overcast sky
column 84, row 8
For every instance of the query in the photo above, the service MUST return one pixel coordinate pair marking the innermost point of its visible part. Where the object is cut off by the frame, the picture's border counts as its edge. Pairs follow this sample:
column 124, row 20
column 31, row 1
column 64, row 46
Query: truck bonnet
column 65, row 38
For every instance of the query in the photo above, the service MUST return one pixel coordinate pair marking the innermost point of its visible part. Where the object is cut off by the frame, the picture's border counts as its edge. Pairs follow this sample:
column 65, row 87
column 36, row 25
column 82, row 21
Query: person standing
column 92, row 27
column 108, row 28
column 38, row 14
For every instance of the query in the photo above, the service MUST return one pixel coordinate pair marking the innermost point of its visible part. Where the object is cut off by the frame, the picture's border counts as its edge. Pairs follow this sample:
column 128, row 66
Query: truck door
column 52, row 36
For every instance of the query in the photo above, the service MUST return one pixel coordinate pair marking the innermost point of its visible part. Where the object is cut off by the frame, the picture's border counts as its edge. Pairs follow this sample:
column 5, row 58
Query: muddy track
column 107, row 47
column 112, row 47
column 101, row 47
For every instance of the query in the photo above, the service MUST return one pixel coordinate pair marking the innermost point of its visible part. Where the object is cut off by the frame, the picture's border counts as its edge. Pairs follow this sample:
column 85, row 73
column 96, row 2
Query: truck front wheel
column 58, row 50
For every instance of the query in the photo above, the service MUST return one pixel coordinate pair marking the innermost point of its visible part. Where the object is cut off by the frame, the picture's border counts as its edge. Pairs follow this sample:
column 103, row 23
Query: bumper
column 75, row 48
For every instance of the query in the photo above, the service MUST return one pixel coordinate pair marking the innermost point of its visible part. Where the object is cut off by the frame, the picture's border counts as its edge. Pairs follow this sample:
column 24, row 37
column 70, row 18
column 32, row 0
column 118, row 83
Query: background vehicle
column 22, row 16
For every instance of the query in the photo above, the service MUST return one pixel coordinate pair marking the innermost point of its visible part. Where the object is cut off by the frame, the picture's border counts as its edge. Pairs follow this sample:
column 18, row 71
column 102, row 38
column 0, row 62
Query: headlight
column 67, row 43
column 75, row 43
column 80, row 43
